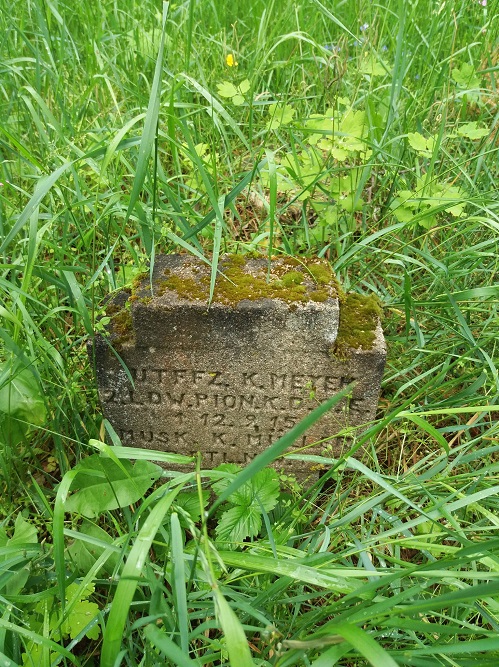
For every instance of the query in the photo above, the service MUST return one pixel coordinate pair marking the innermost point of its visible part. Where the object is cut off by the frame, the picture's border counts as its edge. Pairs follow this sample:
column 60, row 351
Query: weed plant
column 362, row 132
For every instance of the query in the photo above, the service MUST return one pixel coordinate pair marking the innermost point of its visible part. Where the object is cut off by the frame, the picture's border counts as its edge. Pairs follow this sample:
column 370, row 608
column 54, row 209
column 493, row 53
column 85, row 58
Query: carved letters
column 220, row 416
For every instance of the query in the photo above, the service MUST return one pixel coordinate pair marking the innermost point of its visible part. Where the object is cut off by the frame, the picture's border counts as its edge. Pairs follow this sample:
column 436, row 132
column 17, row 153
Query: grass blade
column 290, row 568
column 243, row 183
column 332, row 17
column 150, row 123
column 113, row 633
column 272, row 204
column 217, row 239
column 167, row 647
column 366, row 646
column 179, row 582
column 237, row 644
column 41, row 189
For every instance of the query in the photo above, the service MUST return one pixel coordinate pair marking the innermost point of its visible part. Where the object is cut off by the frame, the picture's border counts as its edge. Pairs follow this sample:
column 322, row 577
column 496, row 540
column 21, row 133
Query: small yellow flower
column 231, row 61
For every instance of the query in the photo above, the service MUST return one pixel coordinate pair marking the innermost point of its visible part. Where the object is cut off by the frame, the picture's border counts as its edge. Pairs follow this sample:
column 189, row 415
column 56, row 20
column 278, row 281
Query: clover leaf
column 234, row 93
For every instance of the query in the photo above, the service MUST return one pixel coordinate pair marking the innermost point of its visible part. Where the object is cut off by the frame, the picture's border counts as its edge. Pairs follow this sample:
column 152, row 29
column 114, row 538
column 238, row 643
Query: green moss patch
column 246, row 278
column 122, row 324
column 359, row 317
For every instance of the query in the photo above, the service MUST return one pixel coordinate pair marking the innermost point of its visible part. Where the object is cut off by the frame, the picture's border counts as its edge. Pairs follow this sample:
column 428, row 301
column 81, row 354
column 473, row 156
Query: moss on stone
column 138, row 280
column 290, row 280
column 122, row 325
column 322, row 273
column 359, row 317
column 240, row 260
column 185, row 288
column 318, row 297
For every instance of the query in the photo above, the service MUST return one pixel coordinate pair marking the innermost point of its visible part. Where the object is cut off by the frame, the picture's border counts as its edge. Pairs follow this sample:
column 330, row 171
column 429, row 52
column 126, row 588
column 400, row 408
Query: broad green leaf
column 404, row 197
column 305, row 169
column 417, row 141
column 244, row 86
column 354, row 123
column 35, row 656
column 189, row 502
column 401, row 212
column 373, row 67
column 201, row 149
column 226, row 89
column 426, row 220
column 75, row 591
column 420, row 144
column 221, row 484
column 262, row 490
column 101, row 484
column 20, row 395
column 453, row 197
column 280, row 114
column 239, row 522
column 339, row 153
column 238, row 100
column 245, row 519
column 80, row 616
column 350, row 203
column 84, row 554
column 24, row 532
column 324, row 124
column 472, row 131
column 466, row 76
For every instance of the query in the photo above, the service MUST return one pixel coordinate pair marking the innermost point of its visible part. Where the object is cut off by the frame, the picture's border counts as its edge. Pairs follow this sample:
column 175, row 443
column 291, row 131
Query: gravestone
column 229, row 379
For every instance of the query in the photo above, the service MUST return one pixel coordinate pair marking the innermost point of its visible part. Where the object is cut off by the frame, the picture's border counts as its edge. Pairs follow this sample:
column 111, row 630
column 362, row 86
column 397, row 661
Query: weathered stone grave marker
column 230, row 379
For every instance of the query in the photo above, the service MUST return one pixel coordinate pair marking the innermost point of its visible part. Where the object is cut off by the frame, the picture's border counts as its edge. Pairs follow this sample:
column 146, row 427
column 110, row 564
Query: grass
column 119, row 140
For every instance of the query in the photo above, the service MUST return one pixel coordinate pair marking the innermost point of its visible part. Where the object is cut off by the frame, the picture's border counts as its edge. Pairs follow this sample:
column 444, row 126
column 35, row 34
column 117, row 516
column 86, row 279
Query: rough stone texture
column 230, row 379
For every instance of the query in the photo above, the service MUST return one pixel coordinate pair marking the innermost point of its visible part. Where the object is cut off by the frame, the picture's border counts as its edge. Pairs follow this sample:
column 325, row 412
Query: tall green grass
column 115, row 145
